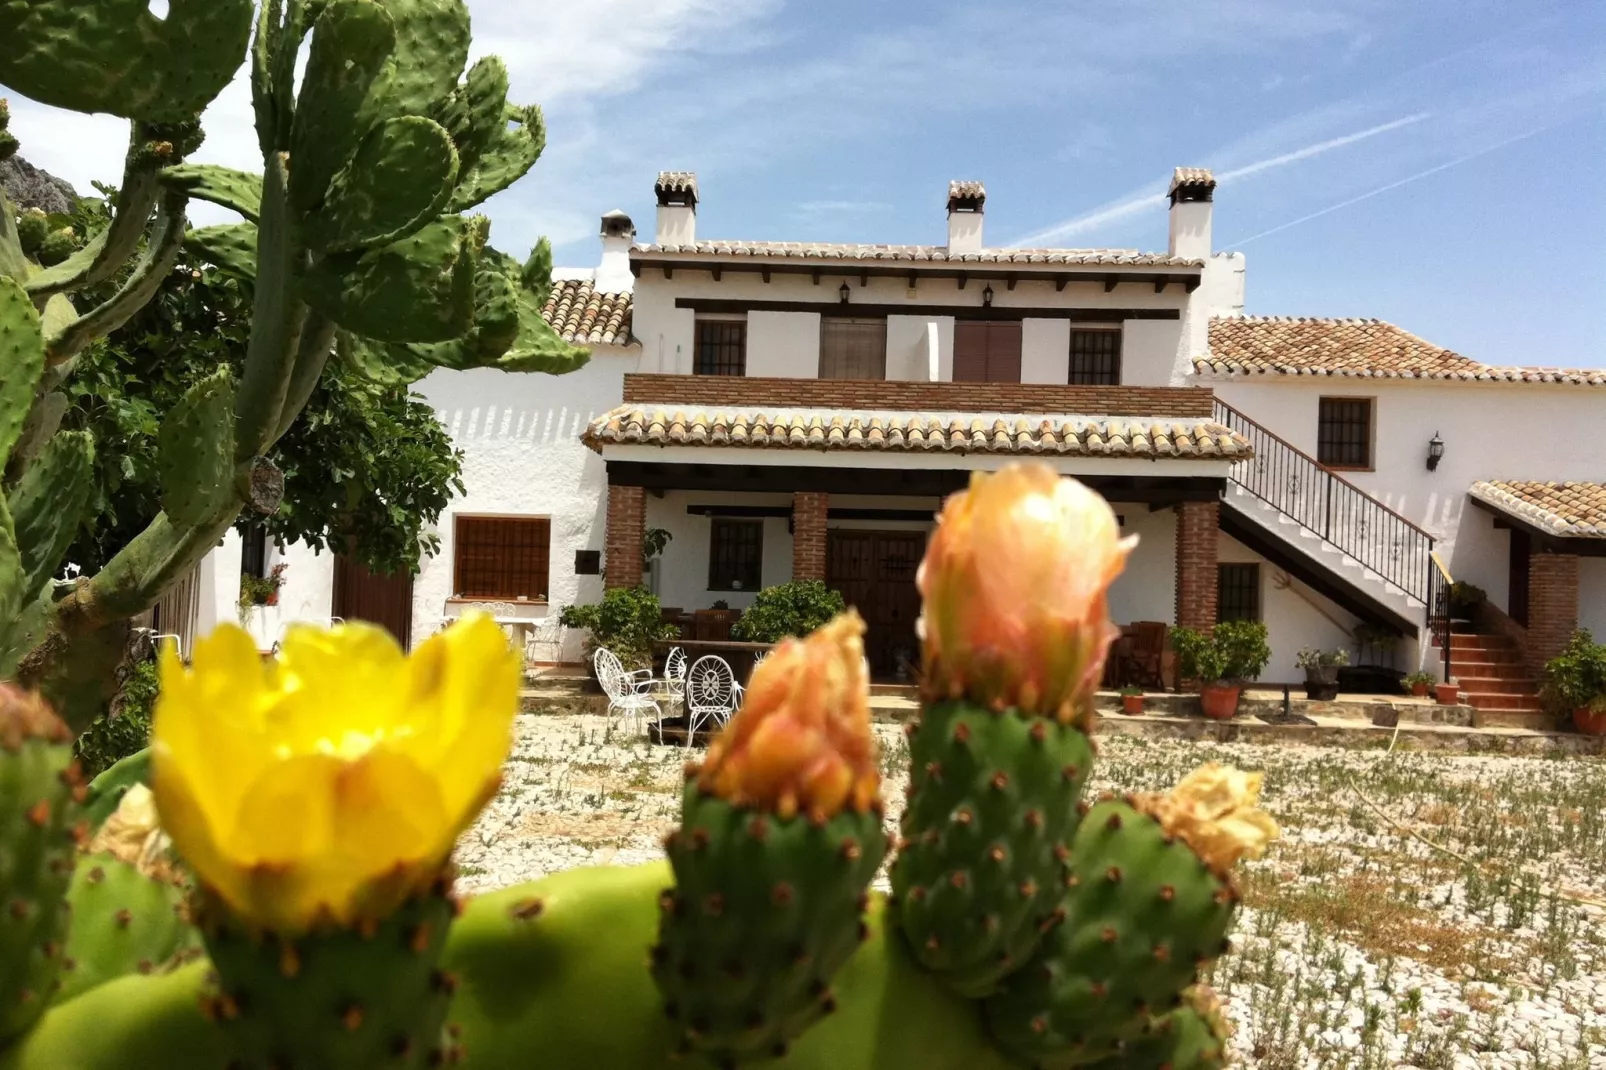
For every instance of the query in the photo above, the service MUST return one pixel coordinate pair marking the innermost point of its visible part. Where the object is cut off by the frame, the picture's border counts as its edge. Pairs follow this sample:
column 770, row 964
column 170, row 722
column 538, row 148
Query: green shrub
column 1236, row 650
column 1576, row 678
column 627, row 621
column 1466, row 596
column 112, row 738
column 795, row 608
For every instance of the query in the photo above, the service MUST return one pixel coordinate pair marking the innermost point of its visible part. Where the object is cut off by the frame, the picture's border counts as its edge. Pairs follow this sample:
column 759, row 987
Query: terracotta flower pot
column 1419, row 690
column 1132, row 704
column 1219, row 700
column 1590, row 724
column 1448, row 694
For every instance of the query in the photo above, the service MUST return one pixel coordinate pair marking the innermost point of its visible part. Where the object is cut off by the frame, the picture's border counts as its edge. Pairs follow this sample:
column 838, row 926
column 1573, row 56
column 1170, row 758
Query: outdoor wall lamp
column 1435, row 451
column 844, row 292
column 987, row 296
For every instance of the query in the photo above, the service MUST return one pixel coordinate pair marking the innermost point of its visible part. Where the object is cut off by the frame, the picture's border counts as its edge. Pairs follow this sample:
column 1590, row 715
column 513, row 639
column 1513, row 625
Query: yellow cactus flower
column 1015, row 583
column 1215, row 811
column 328, row 785
column 801, row 741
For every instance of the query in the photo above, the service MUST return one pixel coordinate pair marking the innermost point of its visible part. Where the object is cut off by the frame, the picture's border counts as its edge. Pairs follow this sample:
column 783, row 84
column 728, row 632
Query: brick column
column 1552, row 605
column 1198, row 524
column 627, row 516
column 808, row 535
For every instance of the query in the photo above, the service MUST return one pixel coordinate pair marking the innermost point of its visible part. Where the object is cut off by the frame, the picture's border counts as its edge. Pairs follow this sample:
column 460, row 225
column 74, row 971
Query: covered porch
column 849, row 496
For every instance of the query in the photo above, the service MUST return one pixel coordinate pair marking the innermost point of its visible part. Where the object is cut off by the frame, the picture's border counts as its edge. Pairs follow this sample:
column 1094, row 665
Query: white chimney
column 677, row 207
column 1192, row 191
column 965, row 201
column 613, row 273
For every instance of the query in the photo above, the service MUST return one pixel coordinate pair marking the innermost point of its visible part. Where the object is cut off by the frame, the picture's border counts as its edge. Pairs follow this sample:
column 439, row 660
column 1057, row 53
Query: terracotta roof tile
column 960, row 190
column 1192, row 176
column 1570, row 510
column 915, row 253
column 585, row 317
column 1354, row 348
column 1087, row 436
column 676, row 182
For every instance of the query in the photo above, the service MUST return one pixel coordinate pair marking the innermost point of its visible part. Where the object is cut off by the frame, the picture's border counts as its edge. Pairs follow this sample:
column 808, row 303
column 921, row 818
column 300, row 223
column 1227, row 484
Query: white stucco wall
column 219, row 582
column 783, row 345
column 1145, row 591
column 1592, row 596
column 1491, row 431
column 683, row 568
column 520, row 436
column 908, row 350
column 1150, row 350
column 1295, row 616
column 1045, row 351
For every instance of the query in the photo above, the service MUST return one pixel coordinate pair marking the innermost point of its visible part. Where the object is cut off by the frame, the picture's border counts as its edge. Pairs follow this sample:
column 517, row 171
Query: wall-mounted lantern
column 844, row 292
column 1435, row 451
column 987, row 296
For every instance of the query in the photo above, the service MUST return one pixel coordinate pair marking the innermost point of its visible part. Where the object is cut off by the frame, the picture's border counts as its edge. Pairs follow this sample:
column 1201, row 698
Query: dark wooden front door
column 374, row 597
column 875, row 571
column 1517, row 592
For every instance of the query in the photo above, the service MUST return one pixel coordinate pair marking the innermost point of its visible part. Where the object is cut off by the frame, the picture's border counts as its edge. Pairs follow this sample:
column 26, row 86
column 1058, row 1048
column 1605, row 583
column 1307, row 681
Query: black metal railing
column 1331, row 507
column 1439, row 610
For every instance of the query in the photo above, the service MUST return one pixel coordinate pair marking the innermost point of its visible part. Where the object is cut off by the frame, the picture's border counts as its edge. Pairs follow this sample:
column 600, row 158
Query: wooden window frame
column 881, row 357
column 1095, row 375
column 474, row 588
column 723, row 364
column 722, row 574
column 254, row 545
column 1238, row 576
column 1337, row 440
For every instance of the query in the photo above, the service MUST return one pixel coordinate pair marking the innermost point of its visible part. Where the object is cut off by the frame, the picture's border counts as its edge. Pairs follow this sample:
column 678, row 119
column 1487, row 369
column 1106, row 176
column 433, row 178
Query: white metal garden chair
column 674, row 679
column 546, row 637
column 712, row 693
column 627, row 691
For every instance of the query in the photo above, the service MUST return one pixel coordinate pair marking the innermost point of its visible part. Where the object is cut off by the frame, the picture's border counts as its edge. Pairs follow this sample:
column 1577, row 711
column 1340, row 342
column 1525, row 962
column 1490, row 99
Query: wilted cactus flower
column 1215, row 811
column 1015, row 581
column 328, row 785
column 801, row 741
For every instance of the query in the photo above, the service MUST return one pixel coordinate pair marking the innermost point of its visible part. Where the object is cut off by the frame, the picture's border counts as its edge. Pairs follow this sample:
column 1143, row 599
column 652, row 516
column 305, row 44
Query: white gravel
column 1361, row 946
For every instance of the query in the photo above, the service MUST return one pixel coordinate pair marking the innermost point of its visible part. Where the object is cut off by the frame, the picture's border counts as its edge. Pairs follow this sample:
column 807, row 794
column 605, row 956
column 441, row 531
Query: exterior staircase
column 1495, row 682
column 1309, row 520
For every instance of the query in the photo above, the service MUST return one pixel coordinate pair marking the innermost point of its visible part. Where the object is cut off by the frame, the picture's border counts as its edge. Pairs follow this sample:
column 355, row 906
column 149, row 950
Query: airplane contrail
column 1396, row 184
column 1145, row 201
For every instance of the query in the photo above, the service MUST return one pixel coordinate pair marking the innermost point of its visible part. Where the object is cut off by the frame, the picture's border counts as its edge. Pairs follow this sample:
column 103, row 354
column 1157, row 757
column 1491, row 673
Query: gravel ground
column 1422, row 910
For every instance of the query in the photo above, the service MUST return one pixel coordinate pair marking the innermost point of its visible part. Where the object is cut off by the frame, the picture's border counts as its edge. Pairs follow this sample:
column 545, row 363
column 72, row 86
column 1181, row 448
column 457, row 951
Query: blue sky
column 1437, row 164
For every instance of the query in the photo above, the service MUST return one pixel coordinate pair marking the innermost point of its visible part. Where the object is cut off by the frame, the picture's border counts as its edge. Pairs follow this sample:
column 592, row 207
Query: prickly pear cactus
column 39, row 783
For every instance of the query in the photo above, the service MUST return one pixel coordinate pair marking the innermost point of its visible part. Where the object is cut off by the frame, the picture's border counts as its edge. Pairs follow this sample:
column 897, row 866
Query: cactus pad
column 195, row 450
column 1192, row 1037
column 38, row 817
column 763, row 913
column 22, row 361
column 399, row 180
column 117, row 56
column 420, row 289
column 1144, row 915
column 993, row 808
column 48, row 504
column 475, row 112
column 237, row 191
column 506, row 159
column 123, row 922
column 334, row 999
column 230, row 247
column 432, row 39
column 351, row 43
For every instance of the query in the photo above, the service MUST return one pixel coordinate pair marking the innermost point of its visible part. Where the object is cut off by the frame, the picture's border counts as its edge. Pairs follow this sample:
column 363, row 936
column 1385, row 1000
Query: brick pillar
column 627, row 517
column 1552, row 605
column 808, row 535
column 1198, row 524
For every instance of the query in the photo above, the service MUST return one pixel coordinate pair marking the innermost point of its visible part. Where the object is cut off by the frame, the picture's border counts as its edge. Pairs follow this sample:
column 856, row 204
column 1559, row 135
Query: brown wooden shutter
column 970, row 352
column 1003, row 352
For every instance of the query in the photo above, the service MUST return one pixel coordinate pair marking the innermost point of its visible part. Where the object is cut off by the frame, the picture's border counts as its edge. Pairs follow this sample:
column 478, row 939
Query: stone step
column 1527, row 720
column 1489, row 700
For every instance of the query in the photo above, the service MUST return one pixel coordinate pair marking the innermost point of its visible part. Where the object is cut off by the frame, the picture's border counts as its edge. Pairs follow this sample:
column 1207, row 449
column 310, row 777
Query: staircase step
column 1490, row 670
column 1490, row 700
column 1493, row 685
column 1531, row 720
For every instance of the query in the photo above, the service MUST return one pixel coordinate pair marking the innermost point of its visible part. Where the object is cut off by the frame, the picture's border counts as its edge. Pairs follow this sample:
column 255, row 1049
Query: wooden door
column 386, row 600
column 1517, row 591
column 987, row 351
column 875, row 571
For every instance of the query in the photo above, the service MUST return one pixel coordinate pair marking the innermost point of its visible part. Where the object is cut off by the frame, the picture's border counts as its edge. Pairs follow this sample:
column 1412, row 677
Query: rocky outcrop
column 29, row 187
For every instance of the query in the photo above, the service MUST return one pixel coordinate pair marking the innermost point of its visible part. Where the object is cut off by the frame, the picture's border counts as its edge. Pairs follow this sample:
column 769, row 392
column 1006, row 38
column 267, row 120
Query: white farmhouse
column 798, row 410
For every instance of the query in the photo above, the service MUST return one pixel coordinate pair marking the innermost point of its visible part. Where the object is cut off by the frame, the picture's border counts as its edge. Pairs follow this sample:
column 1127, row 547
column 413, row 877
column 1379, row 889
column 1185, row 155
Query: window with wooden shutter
column 1344, row 433
column 853, row 348
column 1237, row 592
column 501, row 557
column 721, row 347
column 987, row 351
column 735, row 554
column 1096, row 357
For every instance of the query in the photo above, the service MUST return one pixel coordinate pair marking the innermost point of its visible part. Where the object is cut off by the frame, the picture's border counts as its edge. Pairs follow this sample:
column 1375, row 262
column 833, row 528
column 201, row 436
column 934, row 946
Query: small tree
column 1575, row 679
column 627, row 621
column 795, row 608
column 1235, row 651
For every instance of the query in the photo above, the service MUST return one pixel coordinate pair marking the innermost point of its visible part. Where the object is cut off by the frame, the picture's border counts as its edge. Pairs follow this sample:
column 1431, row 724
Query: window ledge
column 1348, row 468
column 458, row 601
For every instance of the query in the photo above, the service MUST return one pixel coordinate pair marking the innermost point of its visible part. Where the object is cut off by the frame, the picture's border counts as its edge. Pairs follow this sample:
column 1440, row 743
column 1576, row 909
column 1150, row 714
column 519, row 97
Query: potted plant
column 1221, row 661
column 1447, row 693
column 1575, row 683
column 1418, row 682
column 1132, row 700
column 1321, row 671
column 795, row 608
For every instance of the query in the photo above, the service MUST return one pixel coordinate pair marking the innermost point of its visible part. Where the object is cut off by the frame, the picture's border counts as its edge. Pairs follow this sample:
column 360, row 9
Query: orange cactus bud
column 25, row 715
column 1015, row 583
column 802, row 739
